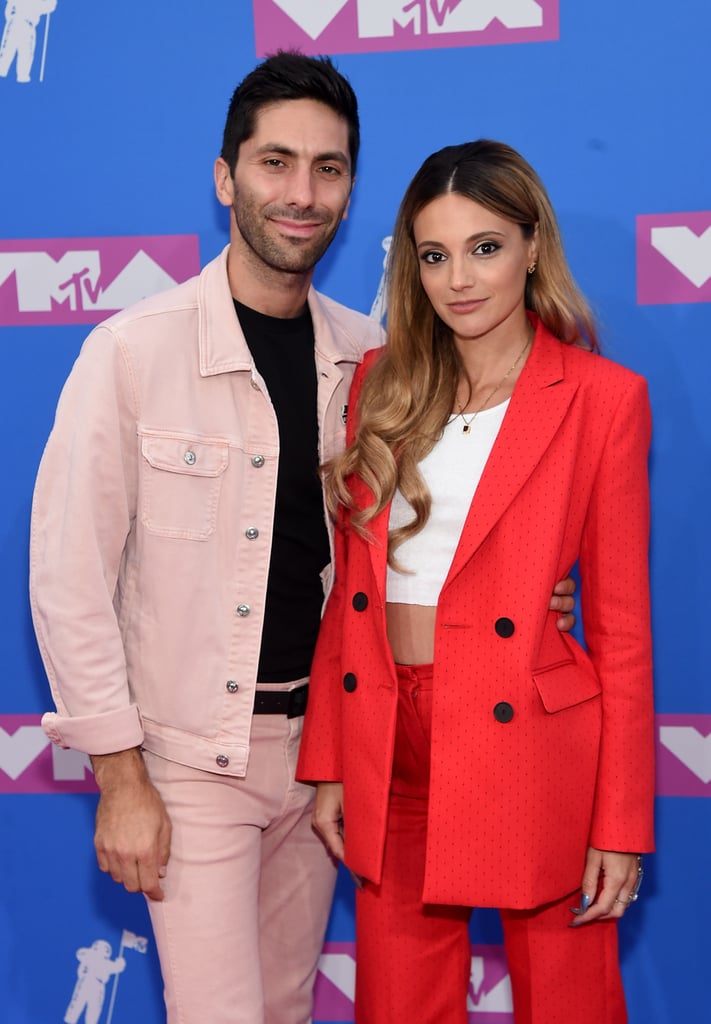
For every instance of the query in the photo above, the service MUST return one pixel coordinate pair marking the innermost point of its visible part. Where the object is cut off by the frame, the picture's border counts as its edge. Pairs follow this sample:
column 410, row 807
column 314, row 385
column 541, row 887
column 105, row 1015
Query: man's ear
column 224, row 182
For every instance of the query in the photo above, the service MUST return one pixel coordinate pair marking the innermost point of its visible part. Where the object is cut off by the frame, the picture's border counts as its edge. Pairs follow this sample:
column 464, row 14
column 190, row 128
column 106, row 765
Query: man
column 180, row 555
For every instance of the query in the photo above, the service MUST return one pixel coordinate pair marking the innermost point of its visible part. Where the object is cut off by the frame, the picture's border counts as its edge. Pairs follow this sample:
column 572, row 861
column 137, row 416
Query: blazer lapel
column 377, row 543
column 538, row 405
column 378, row 550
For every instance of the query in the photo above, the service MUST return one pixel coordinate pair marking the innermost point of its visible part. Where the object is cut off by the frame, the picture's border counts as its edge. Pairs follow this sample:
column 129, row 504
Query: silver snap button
column 243, row 610
column 251, row 533
column 232, row 686
column 257, row 461
column 222, row 760
column 190, row 458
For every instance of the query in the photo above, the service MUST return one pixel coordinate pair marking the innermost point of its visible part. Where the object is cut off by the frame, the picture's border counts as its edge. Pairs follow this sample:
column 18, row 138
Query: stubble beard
column 286, row 255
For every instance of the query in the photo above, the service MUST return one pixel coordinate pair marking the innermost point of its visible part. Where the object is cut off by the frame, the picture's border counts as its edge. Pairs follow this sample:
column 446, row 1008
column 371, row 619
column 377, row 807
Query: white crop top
column 452, row 471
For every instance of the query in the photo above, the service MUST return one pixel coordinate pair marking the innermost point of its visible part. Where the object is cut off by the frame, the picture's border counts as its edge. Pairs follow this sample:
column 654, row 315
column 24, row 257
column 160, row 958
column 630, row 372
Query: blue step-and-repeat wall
column 110, row 118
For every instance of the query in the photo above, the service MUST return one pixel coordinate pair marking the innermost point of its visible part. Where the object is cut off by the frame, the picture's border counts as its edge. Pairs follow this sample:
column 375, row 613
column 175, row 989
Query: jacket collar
column 221, row 343
column 538, row 405
column 539, row 402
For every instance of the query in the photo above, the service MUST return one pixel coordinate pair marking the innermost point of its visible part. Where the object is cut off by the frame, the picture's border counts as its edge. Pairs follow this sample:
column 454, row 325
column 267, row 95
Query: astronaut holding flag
column 95, row 969
column 20, row 36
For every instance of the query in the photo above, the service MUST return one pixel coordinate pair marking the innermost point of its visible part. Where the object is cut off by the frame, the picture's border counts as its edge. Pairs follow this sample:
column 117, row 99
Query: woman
column 472, row 754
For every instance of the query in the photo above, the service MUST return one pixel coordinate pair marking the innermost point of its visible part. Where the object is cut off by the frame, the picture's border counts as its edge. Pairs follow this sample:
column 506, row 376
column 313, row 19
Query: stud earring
column 532, row 267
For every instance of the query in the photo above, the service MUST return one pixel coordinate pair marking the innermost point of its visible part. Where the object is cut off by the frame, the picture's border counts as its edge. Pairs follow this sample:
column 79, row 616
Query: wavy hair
column 408, row 395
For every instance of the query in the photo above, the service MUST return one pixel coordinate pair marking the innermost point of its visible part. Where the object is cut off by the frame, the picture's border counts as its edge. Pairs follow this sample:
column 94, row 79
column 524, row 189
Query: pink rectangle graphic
column 372, row 26
column 674, row 257
column 29, row 763
column 684, row 755
column 50, row 281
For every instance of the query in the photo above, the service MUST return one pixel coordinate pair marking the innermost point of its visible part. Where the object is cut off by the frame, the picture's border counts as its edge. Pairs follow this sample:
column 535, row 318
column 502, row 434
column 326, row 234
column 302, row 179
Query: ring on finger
column 634, row 894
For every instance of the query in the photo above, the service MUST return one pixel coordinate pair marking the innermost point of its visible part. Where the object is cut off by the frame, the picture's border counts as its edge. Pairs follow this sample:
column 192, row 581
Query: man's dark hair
column 288, row 75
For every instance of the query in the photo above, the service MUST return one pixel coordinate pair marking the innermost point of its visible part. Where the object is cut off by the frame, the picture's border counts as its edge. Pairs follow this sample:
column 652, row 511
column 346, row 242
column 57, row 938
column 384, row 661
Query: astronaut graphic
column 378, row 309
column 95, row 969
column 20, row 36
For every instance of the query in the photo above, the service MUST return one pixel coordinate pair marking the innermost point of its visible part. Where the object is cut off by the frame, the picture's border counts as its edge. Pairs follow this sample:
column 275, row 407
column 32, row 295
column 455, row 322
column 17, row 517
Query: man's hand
column 563, row 601
column 132, row 836
column 327, row 816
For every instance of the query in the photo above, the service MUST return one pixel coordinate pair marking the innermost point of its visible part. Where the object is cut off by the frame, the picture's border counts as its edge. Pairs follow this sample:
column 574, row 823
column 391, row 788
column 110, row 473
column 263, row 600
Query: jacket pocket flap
column 565, row 685
column 185, row 455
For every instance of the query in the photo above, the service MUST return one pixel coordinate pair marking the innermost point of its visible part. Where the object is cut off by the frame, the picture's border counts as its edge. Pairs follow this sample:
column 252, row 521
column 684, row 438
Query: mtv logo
column 334, row 989
column 84, row 280
column 371, row 26
column 683, row 755
column 29, row 763
column 674, row 258
column 488, row 1000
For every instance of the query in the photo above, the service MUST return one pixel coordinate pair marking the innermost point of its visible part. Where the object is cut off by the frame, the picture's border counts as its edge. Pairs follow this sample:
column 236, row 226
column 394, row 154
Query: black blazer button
column 504, row 627
column 360, row 601
column 349, row 682
column 503, row 712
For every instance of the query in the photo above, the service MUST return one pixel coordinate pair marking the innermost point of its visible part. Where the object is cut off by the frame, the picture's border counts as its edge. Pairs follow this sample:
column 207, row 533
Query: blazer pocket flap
column 565, row 685
column 185, row 455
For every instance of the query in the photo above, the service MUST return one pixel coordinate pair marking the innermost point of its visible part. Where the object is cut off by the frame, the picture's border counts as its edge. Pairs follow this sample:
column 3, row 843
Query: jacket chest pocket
column 181, row 480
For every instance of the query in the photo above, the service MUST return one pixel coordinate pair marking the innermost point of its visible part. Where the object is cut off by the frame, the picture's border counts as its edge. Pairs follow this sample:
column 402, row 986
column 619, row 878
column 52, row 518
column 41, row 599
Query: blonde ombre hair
column 408, row 395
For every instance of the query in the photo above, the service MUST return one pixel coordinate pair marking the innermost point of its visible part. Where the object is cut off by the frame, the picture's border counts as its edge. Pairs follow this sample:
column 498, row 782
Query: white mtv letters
column 690, row 747
column 19, row 38
column 312, row 16
column 41, row 279
column 377, row 19
column 688, row 252
column 340, row 969
column 484, row 998
column 73, row 279
column 19, row 750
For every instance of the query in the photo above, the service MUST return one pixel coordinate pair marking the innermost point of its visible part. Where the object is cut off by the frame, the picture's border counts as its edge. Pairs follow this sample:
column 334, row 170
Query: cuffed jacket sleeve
column 83, row 509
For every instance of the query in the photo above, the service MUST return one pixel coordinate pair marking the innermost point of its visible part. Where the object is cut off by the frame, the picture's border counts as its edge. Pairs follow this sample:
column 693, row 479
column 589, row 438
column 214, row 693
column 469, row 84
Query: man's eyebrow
column 332, row 156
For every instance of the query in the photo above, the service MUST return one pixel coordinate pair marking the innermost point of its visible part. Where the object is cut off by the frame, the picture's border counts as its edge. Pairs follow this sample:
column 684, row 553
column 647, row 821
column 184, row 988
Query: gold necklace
column 466, row 429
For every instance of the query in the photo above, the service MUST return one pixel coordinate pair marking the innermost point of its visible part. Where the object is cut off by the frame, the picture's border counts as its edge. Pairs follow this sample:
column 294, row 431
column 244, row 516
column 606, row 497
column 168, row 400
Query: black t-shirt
column 283, row 352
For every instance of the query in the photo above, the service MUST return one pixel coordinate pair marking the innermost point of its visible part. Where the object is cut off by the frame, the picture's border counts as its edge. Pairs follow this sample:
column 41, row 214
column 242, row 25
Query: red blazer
column 538, row 748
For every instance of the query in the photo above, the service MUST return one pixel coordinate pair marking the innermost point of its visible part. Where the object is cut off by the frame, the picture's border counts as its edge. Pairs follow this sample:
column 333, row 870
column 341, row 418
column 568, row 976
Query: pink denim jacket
column 152, row 523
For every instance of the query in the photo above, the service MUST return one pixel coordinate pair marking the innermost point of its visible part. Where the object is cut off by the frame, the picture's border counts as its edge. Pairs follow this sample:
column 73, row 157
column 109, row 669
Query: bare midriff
column 411, row 630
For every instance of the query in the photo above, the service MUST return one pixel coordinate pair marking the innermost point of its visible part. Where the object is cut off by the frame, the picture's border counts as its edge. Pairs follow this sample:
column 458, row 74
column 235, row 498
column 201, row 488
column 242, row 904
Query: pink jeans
column 248, row 888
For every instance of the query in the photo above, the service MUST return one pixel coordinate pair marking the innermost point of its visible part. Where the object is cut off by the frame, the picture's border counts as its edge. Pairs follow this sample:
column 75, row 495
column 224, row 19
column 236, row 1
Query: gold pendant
column 466, row 428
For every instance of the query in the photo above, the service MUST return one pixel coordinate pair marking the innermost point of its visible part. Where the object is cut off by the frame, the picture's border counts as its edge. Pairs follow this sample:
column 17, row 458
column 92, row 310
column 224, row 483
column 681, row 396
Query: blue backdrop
column 110, row 118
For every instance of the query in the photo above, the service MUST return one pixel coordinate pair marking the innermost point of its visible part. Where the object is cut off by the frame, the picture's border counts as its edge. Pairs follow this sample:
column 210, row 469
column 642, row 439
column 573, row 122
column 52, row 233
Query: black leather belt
column 291, row 703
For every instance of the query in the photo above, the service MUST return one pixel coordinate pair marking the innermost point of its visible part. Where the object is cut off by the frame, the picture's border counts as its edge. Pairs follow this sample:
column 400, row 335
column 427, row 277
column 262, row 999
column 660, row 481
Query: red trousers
column 413, row 959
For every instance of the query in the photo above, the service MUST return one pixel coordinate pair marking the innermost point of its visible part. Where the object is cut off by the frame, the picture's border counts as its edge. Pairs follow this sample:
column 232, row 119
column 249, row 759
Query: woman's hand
column 327, row 817
column 610, row 883
column 563, row 601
